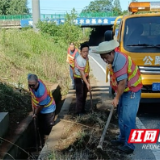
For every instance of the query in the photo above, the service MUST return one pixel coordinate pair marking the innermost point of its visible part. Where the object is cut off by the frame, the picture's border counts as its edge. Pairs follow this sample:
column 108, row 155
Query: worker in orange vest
column 126, row 81
column 71, row 55
column 43, row 105
column 81, row 77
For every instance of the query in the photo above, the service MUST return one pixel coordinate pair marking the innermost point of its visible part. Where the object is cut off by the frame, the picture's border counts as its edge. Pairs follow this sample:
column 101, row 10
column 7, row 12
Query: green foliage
column 117, row 7
column 125, row 12
column 66, row 33
column 99, row 6
column 50, row 28
column 13, row 7
column 15, row 101
column 24, row 51
column 12, row 99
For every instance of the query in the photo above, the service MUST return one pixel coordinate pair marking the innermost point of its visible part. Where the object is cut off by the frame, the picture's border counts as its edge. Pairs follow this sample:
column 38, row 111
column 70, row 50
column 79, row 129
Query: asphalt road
column 148, row 115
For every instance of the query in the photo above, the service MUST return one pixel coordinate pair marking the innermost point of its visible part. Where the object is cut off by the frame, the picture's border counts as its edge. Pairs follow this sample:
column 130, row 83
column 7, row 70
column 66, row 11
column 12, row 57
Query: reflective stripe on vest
column 70, row 58
column 86, row 70
column 36, row 100
column 134, row 76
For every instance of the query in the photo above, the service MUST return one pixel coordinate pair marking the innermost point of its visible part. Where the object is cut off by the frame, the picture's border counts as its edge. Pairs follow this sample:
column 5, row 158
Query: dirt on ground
column 81, row 134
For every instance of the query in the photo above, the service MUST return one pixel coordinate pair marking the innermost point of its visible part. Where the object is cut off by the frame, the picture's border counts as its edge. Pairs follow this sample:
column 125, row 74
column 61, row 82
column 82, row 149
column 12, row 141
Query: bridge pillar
column 35, row 12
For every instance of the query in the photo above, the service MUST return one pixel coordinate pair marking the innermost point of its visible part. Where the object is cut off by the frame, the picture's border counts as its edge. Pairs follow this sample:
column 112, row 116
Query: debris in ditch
column 82, row 135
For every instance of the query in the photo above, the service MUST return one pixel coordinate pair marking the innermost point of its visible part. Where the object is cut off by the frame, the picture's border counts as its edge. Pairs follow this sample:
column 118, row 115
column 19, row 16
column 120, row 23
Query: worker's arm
column 120, row 89
column 37, row 110
column 88, row 80
column 85, row 79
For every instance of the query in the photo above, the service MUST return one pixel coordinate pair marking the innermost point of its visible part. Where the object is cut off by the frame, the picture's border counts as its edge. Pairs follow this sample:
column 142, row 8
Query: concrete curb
column 24, row 136
column 4, row 123
column 53, row 138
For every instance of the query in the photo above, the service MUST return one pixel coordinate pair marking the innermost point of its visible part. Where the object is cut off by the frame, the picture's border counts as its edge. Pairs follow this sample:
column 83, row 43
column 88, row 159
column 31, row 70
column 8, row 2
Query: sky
column 63, row 6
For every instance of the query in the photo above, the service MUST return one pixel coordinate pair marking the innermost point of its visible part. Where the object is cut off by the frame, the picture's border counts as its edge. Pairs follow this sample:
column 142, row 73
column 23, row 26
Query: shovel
column 35, row 130
column 100, row 145
column 90, row 93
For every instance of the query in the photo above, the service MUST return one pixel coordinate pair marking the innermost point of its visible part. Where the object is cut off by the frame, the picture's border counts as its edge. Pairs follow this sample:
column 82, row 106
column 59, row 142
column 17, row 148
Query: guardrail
column 14, row 17
column 98, row 14
column 58, row 16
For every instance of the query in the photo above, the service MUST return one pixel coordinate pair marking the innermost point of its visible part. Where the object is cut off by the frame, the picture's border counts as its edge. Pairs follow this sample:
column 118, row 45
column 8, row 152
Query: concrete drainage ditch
column 22, row 144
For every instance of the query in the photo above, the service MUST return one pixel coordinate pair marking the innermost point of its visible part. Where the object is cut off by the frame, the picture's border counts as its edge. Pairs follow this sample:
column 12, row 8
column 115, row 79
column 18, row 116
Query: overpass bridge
column 101, row 22
column 83, row 19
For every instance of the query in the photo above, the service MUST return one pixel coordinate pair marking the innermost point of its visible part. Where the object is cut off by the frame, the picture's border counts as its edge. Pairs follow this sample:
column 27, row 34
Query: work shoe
column 117, row 142
column 125, row 149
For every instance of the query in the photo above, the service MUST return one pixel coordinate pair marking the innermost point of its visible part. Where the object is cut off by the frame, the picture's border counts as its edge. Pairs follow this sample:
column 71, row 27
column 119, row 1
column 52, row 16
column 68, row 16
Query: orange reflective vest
column 86, row 70
column 37, row 100
column 134, row 81
column 70, row 58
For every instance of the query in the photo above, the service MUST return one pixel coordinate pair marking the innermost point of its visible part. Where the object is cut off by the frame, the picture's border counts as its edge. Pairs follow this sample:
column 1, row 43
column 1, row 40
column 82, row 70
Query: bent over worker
column 43, row 105
column 81, row 78
column 126, row 81
column 71, row 55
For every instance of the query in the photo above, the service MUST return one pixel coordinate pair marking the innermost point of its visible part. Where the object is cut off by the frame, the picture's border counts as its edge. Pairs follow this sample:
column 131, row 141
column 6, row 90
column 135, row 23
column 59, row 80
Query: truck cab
column 139, row 37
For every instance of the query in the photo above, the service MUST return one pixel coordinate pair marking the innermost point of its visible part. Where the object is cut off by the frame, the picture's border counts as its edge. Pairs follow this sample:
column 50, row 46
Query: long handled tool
column 35, row 129
column 91, row 100
column 100, row 146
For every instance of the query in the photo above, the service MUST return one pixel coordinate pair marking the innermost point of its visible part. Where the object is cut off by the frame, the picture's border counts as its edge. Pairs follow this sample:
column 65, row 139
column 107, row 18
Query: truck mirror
column 108, row 35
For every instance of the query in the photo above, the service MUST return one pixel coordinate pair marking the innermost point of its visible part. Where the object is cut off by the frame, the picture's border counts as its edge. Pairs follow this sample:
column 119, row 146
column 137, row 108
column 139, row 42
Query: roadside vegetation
column 43, row 53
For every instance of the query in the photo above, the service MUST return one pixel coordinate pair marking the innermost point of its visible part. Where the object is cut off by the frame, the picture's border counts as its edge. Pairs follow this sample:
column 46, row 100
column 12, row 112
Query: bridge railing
column 57, row 16
column 52, row 16
column 98, row 14
column 14, row 17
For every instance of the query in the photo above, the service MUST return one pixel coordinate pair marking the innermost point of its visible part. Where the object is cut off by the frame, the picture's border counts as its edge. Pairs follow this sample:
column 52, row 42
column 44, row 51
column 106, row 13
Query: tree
column 67, row 32
column 117, row 7
column 125, row 12
column 98, row 6
column 4, row 5
column 13, row 7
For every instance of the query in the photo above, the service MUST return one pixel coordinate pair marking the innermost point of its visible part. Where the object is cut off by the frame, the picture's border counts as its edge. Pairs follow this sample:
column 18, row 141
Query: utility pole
column 35, row 12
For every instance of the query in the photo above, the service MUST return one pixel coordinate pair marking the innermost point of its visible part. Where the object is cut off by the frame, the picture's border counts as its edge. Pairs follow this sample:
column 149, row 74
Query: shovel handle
column 91, row 100
column 105, row 130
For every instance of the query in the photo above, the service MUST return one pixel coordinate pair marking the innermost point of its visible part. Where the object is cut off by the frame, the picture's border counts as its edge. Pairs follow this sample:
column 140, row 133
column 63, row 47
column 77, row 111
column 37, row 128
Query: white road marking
column 139, row 124
column 98, row 64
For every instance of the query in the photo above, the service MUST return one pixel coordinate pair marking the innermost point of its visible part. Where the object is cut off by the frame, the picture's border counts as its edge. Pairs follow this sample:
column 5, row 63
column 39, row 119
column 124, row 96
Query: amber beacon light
column 144, row 6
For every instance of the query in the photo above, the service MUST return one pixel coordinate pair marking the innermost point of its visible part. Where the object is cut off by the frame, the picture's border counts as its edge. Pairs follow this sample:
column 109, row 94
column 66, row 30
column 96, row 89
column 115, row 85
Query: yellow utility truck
column 139, row 37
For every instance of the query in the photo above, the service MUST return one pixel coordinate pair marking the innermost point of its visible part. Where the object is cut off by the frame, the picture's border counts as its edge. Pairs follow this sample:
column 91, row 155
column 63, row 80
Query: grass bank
column 24, row 51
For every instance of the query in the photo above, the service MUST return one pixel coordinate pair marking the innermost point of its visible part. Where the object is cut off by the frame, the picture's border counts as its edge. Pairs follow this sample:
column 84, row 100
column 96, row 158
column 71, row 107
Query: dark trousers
column 71, row 74
column 81, row 95
column 45, row 124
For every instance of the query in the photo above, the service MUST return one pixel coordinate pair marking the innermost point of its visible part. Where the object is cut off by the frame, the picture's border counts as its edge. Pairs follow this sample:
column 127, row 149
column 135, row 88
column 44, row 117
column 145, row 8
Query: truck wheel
column 108, row 35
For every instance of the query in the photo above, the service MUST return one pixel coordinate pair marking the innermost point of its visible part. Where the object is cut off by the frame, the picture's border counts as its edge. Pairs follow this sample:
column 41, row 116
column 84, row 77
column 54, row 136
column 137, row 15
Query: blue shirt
column 39, row 93
column 118, row 63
